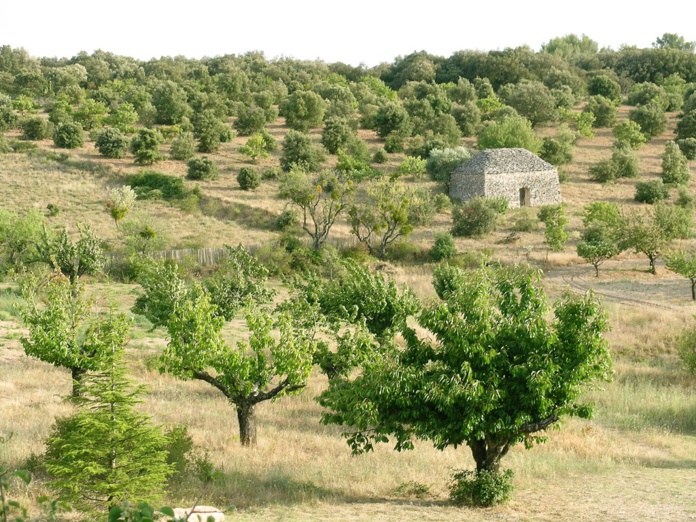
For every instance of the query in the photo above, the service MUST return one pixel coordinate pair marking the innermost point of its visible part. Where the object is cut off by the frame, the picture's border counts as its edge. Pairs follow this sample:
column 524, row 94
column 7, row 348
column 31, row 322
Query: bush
column 604, row 171
column 36, row 128
column 481, row 488
column 603, row 109
column 286, row 219
column 298, row 151
column 651, row 191
column 250, row 120
column 651, row 117
column 686, row 348
column 150, row 184
column 441, row 162
column 509, row 133
column 625, row 161
column 468, row 118
column 248, row 178
column 475, row 218
column 688, row 148
column 4, row 146
column 411, row 166
column 145, row 147
column 271, row 173
column 394, row 143
column 303, row 110
column 183, row 148
column 391, row 118
column 554, row 219
column 444, row 247
column 646, row 92
column 202, row 168
column 603, row 85
column 336, row 134
column 675, row 169
column 68, row 136
column 686, row 126
column 556, row 152
column 525, row 222
column 382, row 157
column 112, row 143
column 629, row 132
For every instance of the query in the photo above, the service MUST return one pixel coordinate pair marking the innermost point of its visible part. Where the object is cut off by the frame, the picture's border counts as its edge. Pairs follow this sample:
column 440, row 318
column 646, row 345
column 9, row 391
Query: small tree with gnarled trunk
column 263, row 367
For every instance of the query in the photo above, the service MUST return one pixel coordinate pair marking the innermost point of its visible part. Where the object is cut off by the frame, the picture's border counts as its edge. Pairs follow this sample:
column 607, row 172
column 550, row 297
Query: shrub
column 444, row 247
column 336, row 134
column 112, row 143
column 509, row 133
column 675, row 169
column 391, row 118
column 685, row 199
column 481, row 488
column 202, row 168
column 394, row 143
column 468, row 118
column 603, row 85
column 686, row 126
column 525, row 222
column 555, row 221
column 475, row 218
column 299, row 151
column 286, row 219
column 646, row 92
column 629, row 132
column 688, row 147
column 271, row 173
column 556, row 152
column 651, row 191
column 68, row 136
column 625, row 162
column 250, row 120
column 4, row 146
column 604, row 171
column 36, row 128
column 382, row 157
column 145, row 147
column 686, row 348
column 651, row 117
column 441, row 162
column 183, row 148
column 150, row 184
column 411, row 166
column 248, row 178
column 303, row 110
column 603, row 109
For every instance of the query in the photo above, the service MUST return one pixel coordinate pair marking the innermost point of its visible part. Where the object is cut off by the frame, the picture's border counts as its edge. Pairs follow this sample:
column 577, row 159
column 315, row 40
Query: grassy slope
column 634, row 461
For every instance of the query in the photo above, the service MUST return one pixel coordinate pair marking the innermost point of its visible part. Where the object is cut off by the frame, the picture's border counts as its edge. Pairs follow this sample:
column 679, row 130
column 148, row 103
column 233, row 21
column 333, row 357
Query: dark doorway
column 524, row 197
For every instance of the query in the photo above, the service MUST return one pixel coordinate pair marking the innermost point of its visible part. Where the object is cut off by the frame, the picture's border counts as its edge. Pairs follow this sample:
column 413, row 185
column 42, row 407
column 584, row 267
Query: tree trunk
column 693, row 289
column 77, row 374
column 488, row 453
column 247, row 424
column 596, row 269
column 652, row 265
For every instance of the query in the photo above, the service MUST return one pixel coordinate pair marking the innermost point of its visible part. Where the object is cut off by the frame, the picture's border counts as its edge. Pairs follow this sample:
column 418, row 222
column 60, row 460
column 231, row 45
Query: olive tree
column 484, row 367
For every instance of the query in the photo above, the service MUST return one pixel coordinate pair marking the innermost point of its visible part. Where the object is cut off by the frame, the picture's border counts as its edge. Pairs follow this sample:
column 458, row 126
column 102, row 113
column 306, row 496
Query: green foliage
column 387, row 212
column 597, row 245
column 150, row 184
column 68, row 136
column 475, row 218
column 62, row 328
column 112, row 143
column 255, row 147
column 603, row 85
column 248, row 178
column 250, row 120
column 411, row 166
column 73, row 258
column 444, row 247
column 170, row 103
column 603, row 109
column 4, row 146
column 91, row 114
column 629, row 132
column 623, row 164
column 525, row 222
column 321, row 199
column 145, row 147
column 183, row 147
column 602, row 213
column 441, row 162
column 119, row 202
column 651, row 117
column 555, row 220
column 164, row 288
column 683, row 263
column 143, row 512
column 481, row 488
column 286, row 219
column 303, row 110
column 276, row 360
column 509, row 133
column 486, row 368
column 394, row 142
column 467, row 116
column 36, row 128
column 19, row 238
column 686, row 348
column 8, row 118
column 336, row 134
column 558, row 151
column 686, row 126
column 688, row 148
column 675, row 168
column 651, row 191
column 123, row 117
column 299, row 152
column 381, row 156
column 390, row 118
column 532, row 100
column 202, row 168
column 107, row 452
column 210, row 131
column 646, row 92
column 673, row 41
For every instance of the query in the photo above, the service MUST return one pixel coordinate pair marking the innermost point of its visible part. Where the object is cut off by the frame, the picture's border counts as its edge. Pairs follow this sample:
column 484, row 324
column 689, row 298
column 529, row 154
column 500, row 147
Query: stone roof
column 504, row 161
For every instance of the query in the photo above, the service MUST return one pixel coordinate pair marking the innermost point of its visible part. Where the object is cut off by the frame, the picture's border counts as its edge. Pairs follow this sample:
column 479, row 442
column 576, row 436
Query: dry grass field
column 636, row 460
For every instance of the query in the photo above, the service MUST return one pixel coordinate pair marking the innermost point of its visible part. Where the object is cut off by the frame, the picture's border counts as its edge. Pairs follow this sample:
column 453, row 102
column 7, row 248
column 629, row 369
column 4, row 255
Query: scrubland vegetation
column 217, row 272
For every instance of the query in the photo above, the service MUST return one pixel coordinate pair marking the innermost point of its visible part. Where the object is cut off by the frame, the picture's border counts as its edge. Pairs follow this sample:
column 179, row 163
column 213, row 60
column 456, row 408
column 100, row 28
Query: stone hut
column 523, row 178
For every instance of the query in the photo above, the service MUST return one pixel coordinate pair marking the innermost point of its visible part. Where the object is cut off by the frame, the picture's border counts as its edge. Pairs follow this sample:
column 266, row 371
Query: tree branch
column 532, row 427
